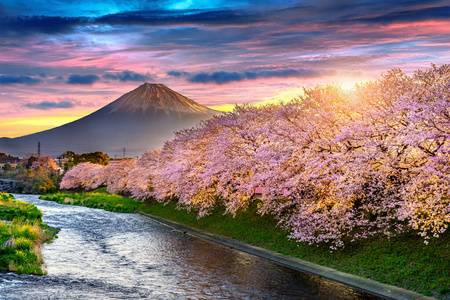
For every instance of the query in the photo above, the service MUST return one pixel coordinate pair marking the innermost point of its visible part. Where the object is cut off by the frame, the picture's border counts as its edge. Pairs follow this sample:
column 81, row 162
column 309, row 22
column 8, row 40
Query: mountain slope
column 152, row 97
column 139, row 121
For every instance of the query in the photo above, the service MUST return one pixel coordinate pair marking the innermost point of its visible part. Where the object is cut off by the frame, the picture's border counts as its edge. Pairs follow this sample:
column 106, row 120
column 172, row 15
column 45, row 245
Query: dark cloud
column 24, row 25
column 46, row 105
column 342, row 11
column 318, row 12
column 217, row 77
column 127, row 76
column 223, row 77
column 171, row 17
column 177, row 74
column 7, row 80
column 434, row 13
column 82, row 79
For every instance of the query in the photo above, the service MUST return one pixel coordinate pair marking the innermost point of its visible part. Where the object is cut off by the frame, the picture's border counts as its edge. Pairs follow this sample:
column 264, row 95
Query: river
column 106, row 255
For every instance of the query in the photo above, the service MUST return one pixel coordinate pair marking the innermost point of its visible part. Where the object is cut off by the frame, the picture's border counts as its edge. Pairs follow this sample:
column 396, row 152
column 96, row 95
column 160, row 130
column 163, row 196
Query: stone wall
column 7, row 185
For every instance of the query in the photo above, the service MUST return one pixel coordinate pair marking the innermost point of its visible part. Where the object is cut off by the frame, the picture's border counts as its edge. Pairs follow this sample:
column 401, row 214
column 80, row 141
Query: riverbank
column 404, row 261
column 22, row 234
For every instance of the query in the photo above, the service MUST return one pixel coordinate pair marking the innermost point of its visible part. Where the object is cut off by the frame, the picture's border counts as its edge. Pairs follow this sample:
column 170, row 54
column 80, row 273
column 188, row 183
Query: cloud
column 173, row 17
column 177, row 73
column 345, row 11
column 223, row 77
column 127, row 76
column 308, row 11
column 25, row 25
column 411, row 15
column 217, row 77
column 7, row 80
column 82, row 79
column 46, row 105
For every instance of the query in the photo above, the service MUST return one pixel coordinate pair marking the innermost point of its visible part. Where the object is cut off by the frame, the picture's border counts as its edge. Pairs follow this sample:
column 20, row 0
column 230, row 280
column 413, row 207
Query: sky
column 62, row 59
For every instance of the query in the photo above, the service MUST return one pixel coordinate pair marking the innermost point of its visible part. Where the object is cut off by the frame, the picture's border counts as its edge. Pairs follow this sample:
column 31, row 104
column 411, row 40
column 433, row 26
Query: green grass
column 403, row 261
column 21, row 222
column 96, row 199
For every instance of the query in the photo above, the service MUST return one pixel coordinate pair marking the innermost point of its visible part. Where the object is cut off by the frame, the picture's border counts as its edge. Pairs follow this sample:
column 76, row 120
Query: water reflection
column 104, row 255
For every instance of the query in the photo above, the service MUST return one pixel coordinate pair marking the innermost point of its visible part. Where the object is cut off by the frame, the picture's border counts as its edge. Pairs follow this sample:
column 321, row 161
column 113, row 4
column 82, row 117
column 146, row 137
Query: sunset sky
column 63, row 59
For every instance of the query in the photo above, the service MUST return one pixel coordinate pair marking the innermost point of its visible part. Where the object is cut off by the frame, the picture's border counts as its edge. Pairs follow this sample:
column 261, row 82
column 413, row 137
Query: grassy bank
column 403, row 261
column 22, row 233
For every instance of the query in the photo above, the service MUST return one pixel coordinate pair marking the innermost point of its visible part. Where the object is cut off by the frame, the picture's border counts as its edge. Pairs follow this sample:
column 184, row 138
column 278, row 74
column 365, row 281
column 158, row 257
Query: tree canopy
column 73, row 158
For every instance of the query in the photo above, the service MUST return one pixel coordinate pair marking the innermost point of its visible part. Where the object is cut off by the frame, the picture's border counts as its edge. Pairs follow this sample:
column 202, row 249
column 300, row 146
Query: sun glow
column 224, row 108
column 347, row 85
column 284, row 96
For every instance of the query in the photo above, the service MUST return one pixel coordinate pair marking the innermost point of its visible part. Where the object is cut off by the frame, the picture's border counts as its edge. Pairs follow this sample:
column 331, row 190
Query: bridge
column 7, row 185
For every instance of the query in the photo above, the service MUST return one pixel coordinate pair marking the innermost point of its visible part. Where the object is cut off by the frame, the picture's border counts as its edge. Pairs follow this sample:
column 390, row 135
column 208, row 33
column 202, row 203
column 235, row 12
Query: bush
column 119, row 207
column 22, row 243
column 7, row 167
column 28, row 231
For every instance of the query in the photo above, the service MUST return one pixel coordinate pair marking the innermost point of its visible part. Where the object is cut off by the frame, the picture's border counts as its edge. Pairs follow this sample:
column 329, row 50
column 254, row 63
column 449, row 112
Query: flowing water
column 106, row 255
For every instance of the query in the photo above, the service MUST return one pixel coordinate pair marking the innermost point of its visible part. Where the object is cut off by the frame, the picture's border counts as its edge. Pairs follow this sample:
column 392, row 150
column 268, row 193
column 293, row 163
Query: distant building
column 13, row 161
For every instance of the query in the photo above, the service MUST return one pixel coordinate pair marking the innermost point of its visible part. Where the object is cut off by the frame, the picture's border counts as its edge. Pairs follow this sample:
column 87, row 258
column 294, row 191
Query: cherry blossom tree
column 334, row 166
column 117, row 178
column 84, row 175
column 46, row 164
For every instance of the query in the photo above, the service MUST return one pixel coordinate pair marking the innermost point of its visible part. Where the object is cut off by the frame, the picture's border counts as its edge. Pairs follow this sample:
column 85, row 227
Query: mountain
column 138, row 121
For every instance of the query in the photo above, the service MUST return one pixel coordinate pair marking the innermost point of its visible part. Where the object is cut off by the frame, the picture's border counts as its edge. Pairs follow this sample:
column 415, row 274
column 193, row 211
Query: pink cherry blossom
column 331, row 166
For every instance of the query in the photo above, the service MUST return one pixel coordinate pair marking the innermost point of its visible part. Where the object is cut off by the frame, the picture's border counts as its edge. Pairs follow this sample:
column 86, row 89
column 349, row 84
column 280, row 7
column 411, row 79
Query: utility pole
column 39, row 149
column 123, row 152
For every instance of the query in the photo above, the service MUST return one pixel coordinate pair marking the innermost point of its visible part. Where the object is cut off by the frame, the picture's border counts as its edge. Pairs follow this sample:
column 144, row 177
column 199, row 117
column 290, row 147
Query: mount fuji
column 138, row 121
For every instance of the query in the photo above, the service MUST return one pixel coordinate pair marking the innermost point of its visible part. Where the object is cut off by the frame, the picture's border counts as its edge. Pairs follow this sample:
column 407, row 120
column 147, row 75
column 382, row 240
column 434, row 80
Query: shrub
column 28, row 231
column 22, row 243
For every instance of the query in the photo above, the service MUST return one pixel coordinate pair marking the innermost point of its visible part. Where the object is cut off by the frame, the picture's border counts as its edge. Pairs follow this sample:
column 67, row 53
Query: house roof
column 9, row 160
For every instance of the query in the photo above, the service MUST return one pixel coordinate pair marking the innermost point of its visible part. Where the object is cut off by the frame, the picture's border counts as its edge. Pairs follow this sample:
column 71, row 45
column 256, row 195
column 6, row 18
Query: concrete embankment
column 363, row 284
column 7, row 185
